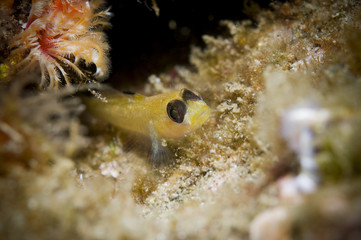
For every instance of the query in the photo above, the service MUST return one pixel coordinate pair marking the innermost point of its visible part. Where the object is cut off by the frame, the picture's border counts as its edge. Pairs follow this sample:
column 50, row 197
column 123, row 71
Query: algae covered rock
column 279, row 156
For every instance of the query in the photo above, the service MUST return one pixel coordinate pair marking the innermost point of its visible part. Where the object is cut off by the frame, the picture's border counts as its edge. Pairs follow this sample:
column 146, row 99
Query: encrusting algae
column 278, row 157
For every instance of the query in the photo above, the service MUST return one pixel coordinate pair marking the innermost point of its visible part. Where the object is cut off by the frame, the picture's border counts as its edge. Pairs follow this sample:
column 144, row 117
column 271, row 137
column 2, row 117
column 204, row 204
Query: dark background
column 143, row 43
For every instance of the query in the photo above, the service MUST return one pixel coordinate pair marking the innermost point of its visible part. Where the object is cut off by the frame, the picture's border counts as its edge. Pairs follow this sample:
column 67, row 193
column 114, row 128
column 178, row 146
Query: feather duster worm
column 64, row 38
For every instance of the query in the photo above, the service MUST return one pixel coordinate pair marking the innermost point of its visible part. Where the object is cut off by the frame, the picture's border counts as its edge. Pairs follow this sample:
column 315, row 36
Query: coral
column 65, row 39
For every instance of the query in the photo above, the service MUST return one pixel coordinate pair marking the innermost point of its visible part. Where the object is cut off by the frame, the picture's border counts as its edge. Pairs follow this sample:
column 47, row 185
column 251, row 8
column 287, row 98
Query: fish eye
column 176, row 110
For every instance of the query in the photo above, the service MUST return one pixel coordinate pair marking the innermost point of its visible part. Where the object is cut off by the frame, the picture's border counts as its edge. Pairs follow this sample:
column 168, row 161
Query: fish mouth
column 198, row 114
column 203, row 116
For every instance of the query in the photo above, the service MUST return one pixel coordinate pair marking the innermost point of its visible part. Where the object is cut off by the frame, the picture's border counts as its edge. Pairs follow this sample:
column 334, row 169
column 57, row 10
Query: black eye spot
column 189, row 95
column 128, row 92
column 176, row 110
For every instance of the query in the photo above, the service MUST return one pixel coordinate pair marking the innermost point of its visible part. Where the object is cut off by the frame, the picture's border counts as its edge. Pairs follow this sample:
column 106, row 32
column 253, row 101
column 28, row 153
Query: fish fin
column 112, row 94
column 160, row 154
column 107, row 92
column 149, row 148
column 133, row 95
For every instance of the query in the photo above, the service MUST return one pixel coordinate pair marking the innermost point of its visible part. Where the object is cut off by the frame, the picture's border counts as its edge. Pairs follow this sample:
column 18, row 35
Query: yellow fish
column 166, row 116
